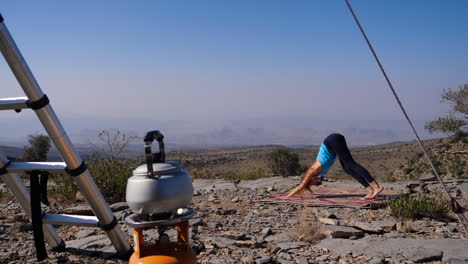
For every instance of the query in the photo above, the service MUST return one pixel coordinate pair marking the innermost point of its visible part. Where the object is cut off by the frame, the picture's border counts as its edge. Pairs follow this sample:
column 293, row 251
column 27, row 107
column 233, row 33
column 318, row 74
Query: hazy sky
column 227, row 60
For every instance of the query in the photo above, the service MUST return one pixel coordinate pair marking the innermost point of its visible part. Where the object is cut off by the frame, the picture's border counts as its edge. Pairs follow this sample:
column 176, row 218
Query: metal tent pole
column 19, row 190
column 60, row 139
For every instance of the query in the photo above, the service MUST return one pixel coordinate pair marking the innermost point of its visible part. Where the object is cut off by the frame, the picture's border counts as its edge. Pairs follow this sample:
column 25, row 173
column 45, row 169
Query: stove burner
column 159, row 219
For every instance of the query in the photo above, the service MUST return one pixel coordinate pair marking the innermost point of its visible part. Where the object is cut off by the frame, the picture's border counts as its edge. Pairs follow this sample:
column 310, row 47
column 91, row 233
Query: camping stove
column 158, row 193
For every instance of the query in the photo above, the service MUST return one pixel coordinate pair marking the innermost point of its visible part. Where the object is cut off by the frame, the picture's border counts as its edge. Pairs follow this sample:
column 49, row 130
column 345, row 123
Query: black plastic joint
column 1, row 18
column 78, row 171
column 3, row 170
column 109, row 226
column 39, row 103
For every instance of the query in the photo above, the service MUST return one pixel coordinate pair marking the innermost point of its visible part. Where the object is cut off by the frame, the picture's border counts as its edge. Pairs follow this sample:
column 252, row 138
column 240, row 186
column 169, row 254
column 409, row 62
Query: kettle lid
column 163, row 168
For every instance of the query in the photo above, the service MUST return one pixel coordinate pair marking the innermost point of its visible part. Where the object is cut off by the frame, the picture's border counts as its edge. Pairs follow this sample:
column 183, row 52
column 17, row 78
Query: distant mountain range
column 198, row 134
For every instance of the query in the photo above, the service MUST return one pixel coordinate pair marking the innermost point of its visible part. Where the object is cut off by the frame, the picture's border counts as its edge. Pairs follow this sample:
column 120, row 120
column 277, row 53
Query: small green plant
column 251, row 175
column 416, row 206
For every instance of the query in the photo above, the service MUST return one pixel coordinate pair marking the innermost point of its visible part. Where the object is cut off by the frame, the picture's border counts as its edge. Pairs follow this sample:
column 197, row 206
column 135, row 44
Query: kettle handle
column 157, row 157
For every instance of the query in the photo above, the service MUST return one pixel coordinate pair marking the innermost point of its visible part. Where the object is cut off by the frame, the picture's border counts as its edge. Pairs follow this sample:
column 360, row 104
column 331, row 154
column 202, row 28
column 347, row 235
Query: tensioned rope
column 456, row 208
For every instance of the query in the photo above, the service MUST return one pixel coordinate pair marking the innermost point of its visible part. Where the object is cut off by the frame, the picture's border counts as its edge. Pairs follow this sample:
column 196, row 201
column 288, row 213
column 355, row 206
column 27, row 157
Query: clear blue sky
column 239, row 59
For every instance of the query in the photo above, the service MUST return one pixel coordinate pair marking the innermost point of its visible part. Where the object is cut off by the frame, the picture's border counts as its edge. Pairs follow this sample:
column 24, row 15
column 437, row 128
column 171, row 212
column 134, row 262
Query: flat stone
column 118, row 206
column 284, row 261
column 222, row 242
column 247, row 244
column 387, row 225
column 266, row 231
column 328, row 221
column 285, row 256
column 452, row 228
column 322, row 258
column 247, row 260
column 291, row 245
column 427, row 177
column 367, row 227
column 85, row 233
column 343, row 231
column 263, row 260
column 214, row 225
column 419, row 255
column 395, row 248
column 79, row 210
column 281, row 237
column 222, row 211
column 378, row 260
column 457, row 261
column 196, row 222
column 90, row 242
column 301, row 260
column 234, row 235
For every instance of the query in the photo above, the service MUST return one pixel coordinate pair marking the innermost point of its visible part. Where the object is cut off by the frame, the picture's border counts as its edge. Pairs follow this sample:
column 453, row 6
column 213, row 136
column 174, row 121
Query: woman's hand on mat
column 304, row 186
column 298, row 190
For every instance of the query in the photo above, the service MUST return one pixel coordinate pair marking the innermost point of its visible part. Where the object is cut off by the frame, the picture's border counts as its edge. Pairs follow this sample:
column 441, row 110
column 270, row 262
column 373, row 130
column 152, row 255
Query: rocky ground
column 231, row 227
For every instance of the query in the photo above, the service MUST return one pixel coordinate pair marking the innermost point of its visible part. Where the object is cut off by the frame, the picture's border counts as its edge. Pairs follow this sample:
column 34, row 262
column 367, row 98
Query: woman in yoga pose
column 335, row 145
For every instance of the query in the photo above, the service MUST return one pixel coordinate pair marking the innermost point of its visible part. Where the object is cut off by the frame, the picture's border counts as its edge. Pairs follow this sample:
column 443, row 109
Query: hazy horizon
column 252, row 73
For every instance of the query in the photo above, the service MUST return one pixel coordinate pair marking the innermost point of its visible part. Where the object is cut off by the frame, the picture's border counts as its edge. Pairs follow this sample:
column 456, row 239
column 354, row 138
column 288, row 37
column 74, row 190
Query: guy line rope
column 456, row 208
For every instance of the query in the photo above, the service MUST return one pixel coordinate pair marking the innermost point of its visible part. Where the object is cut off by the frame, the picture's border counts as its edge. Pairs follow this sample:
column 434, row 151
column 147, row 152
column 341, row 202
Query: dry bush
column 416, row 206
column 250, row 175
column 308, row 228
column 5, row 196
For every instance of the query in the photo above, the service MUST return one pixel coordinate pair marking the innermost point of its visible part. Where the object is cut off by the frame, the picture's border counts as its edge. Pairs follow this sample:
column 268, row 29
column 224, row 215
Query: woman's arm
column 310, row 177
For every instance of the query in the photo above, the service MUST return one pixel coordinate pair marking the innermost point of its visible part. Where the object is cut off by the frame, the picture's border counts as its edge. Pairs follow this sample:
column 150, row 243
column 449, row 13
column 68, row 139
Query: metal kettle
column 158, row 186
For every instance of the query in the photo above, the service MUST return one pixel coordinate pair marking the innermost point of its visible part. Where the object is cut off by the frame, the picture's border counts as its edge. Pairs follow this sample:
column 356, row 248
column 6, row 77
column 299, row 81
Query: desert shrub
column 456, row 120
column 283, row 162
column 108, row 167
column 432, row 205
column 303, row 168
column 62, row 188
column 308, row 229
column 5, row 195
column 195, row 174
column 204, row 173
column 111, row 175
column 251, row 175
column 390, row 178
column 39, row 146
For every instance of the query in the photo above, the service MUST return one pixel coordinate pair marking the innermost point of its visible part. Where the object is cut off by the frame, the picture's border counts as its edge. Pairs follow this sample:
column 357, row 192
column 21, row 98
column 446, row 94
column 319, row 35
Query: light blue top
column 326, row 157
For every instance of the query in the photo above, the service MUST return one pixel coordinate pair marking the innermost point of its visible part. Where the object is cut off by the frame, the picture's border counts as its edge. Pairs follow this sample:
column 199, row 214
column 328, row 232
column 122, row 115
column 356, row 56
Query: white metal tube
column 52, row 167
column 13, row 103
column 76, row 220
column 60, row 139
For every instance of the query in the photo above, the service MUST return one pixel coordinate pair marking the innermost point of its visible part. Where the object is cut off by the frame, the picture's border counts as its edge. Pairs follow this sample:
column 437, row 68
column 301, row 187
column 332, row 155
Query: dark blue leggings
column 337, row 143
